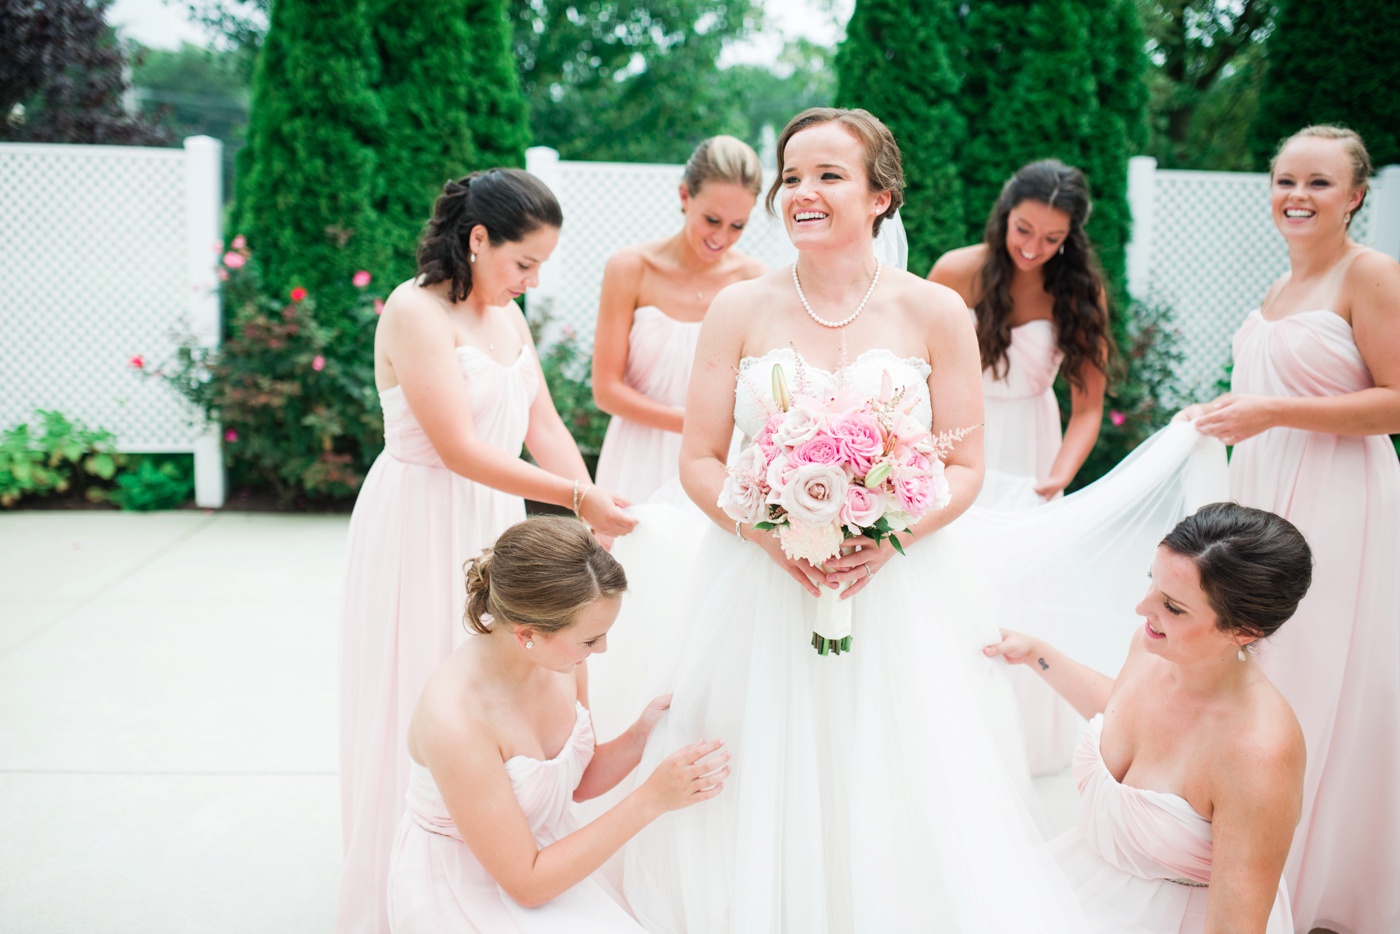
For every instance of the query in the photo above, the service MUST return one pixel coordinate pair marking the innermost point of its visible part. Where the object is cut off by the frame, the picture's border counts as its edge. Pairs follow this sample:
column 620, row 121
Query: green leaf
column 764, row 526
column 103, row 465
column 894, row 540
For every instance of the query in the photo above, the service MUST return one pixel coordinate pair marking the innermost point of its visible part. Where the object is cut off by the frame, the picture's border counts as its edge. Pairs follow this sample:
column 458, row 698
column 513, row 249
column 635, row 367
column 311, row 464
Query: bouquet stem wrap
column 831, row 633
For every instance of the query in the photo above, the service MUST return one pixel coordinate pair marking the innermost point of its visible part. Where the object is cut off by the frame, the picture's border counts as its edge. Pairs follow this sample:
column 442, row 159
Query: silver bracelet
column 575, row 499
column 739, row 531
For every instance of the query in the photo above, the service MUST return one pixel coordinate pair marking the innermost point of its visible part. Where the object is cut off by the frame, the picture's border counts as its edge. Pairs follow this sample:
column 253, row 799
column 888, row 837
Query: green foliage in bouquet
column 55, row 454
column 295, row 396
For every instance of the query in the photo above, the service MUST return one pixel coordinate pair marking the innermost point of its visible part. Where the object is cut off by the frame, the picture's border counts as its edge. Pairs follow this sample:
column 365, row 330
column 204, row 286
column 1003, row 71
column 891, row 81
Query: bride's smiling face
column 826, row 191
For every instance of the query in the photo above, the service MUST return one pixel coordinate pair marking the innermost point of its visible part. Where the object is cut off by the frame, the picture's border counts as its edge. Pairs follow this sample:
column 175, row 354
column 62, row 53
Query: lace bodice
column 753, row 394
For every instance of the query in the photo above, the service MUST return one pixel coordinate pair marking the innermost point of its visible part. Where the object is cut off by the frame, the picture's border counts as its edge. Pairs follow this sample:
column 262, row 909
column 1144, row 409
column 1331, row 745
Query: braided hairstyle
column 509, row 203
column 1073, row 278
column 539, row 574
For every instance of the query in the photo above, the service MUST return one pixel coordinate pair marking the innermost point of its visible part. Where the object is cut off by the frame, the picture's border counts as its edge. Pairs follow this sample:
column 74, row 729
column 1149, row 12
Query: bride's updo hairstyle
column 1255, row 567
column 539, row 574
column 884, row 170
column 723, row 159
column 509, row 203
column 1073, row 277
column 1355, row 148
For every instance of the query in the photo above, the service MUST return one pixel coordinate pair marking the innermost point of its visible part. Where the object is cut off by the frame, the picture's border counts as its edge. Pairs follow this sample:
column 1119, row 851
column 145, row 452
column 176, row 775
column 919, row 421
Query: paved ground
column 168, row 723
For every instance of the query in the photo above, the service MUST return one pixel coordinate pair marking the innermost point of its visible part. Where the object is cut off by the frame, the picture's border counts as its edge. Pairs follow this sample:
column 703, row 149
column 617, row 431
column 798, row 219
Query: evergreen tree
column 899, row 61
column 1332, row 62
column 426, row 64
column 307, row 180
column 499, row 116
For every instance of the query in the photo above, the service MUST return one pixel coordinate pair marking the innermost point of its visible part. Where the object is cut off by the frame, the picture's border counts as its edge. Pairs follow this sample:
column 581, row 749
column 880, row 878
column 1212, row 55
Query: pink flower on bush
column 234, row 260
column 222, row 274
column 298, row 293
column 240, row 242
column 230, row 436
column 360, row 279
column 137, row 362
column 379, row 306
column 1116, row 418
column 318, row 363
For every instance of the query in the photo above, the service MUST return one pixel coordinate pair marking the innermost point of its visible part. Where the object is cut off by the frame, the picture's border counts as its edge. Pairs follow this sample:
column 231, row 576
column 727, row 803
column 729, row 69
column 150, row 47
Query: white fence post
column 543, row 163
column 1385, row 231
column 203, row 206
column 1142, row 202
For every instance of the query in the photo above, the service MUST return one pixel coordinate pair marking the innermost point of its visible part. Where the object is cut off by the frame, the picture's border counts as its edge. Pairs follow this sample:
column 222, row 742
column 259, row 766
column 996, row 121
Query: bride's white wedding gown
column 869, row 792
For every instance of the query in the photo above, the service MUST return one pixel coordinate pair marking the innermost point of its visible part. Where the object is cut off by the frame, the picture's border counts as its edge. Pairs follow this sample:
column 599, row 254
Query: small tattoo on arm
column 1044, row 665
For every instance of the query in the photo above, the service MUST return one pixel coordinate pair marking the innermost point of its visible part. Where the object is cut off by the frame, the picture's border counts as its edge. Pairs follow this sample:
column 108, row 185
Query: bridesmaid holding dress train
column 461, row 390
column 1314, row 391
column 654, row 297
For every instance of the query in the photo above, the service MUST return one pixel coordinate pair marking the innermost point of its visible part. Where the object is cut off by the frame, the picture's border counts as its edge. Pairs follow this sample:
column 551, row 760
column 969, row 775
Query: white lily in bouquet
column 827, row 468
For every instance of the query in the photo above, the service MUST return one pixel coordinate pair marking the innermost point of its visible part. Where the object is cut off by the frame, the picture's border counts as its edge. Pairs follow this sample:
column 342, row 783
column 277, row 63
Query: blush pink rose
column 822, row 448
column 799, row 425
column 234, row 259
column 360, row 279
column 765, row 435
column 920, row 489
column 745, row 491
column 861, row 440
column 814, row 493
column 863, row 508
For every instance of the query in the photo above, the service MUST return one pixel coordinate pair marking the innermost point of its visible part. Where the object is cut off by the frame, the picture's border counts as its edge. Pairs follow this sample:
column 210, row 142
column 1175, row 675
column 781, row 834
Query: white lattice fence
column 107, row 252
column 1205, row 246
column 609, row 205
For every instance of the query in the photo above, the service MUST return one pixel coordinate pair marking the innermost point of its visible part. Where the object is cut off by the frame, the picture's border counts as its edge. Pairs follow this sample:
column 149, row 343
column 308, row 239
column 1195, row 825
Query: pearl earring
column 471, row 257
column 530, row 644
column 1062, row 249
column 1242, row 656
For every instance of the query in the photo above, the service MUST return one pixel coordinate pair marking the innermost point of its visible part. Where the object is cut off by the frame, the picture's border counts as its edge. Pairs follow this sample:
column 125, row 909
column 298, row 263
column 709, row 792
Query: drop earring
column 1241, row 654
column 471, row 257
column 1062, row 249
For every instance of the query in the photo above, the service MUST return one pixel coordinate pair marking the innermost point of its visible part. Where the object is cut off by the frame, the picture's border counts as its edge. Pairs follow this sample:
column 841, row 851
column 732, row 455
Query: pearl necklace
column 849, row 318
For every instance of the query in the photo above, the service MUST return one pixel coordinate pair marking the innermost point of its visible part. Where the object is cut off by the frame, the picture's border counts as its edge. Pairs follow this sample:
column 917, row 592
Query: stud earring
column 530, row 644
column 1062, row 249
column 1242, row 656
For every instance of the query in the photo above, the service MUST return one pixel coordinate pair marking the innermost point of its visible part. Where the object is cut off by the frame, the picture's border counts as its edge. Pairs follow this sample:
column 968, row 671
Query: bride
column 869, row 790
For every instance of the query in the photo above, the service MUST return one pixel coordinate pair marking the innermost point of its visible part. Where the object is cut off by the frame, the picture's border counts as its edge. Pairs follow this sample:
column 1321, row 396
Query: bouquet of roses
column 827, row 468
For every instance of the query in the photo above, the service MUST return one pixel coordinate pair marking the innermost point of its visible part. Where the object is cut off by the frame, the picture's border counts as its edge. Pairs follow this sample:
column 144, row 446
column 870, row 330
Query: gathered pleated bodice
column 1311, row 353
column 1151, row 834
column 753, row 395
column 544, row 787
column 1032, row 360
column 501, row 396
column 660, row 351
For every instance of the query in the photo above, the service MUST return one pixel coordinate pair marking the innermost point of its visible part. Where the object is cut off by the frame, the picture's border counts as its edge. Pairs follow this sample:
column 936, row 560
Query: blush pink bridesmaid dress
column 437, row 886
column 1140, row 860
column 636, row 461
column 415, row 524
column 1021, row 436
column 1336, row 661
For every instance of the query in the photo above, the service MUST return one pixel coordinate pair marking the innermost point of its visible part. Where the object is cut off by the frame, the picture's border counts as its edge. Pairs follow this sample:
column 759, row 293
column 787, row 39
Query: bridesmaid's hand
column 860, row 566
column 1015, row 647
column 603, row 511
column 650, row 715
column 1050, row 487
column 693, row 774
column 1233, row 418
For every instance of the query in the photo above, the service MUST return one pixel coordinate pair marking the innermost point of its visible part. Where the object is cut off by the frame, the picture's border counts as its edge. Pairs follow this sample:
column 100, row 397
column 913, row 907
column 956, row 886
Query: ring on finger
column 868, row 572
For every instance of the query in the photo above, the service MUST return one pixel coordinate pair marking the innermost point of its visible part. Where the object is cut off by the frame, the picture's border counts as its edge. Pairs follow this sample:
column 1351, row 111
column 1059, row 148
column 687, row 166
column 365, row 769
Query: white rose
column 799, row 425
column 815, row 493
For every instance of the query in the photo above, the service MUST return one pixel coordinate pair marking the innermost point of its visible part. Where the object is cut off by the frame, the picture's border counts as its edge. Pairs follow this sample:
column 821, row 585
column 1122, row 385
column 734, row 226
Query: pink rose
column 862, row 508
column 765, row 435
column 297, row 294
column 861, row 440
column 379, row 306
column 240, row 242
column 318, row 363
column 822, row 448
column 230, row 436
column 920, row 489
column 799, row 424
column 815, row 493
column 1116, row 418
column 234, row 260
column 137, row 362
column 744, row 494
column 360, row 279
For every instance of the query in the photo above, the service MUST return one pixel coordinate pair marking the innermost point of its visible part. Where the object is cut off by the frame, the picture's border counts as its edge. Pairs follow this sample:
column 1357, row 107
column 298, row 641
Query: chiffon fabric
column 1021, row 440
column 637, row 460
column 1335, row 660
column 415, row 523
column 869, row 791
column 437, row 886
column 1140, row 860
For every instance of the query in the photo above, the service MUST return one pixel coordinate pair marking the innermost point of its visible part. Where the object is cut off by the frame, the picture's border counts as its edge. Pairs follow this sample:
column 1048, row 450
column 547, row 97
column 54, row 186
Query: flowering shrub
column 568, row 373
column 296, row 398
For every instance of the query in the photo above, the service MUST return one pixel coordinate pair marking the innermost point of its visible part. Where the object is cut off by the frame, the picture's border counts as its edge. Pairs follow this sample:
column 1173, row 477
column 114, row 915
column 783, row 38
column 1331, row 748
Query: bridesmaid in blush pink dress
column 502, row 745
column 654, row 298
column 461, row 391
column 1037, row 295
column 1191, row 770
column 1315, row 391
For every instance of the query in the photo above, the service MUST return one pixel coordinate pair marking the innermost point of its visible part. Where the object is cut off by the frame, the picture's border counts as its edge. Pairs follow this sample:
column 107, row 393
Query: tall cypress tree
column 1332, row 62
column 499, row 118
column 307, row 181
column 899, row 61
column 426, row 65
